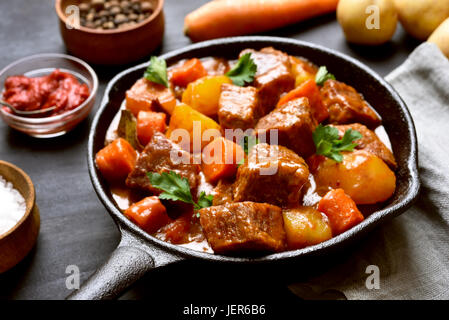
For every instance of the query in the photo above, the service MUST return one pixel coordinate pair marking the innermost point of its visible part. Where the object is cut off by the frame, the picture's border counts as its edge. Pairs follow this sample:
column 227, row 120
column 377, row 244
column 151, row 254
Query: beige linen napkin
column 412, row 250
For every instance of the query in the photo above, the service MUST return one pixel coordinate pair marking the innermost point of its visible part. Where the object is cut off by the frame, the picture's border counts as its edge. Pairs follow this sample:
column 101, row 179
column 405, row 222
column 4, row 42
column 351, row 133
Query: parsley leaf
column 174, row 186
column 157, row 71
column 177, row 188
column 244, row 71
column 323, row 75
column 347, row 142
column 328, row 143
column 204, row 200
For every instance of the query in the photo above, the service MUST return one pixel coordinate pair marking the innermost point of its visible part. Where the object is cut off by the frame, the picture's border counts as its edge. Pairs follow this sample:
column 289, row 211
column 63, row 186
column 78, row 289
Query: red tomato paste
column 59, row 89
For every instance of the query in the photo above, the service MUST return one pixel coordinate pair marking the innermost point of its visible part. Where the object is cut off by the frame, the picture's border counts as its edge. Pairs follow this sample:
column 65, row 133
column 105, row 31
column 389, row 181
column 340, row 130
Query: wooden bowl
column 17, row 242
column 112, row 47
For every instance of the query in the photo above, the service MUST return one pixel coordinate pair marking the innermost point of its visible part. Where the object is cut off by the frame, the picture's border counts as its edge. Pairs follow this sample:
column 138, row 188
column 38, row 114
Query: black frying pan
column 138, row 252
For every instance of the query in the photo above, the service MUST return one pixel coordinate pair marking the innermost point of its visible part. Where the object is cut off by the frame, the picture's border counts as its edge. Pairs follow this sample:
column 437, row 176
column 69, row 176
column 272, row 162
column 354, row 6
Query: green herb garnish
column 328, row 143
column 248, row 142
column 177, row 188
column 157, row 71
column 323, row 75
column 204, row 200
column 244, row 71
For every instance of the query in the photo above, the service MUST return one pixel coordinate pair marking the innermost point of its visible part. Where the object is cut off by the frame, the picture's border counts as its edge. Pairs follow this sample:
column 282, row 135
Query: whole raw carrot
column 225, row 18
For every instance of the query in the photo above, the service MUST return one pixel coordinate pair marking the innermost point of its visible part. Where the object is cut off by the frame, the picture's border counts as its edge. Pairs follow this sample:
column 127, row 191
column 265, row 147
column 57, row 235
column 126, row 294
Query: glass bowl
column 44, row 64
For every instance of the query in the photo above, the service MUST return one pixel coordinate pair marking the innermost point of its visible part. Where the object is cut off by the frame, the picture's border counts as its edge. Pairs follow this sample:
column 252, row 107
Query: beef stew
column 244, row 209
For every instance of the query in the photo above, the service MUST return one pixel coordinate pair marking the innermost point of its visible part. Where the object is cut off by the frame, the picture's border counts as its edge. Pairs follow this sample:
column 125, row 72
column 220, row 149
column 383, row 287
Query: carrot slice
column 190, row 71
column 148, row 123
column 310, row 90
column 145, row 95
column 149, row 214
column 220, row 159
column 116, row 160
column 176, row 232
column 224, row 18
column 341, row 211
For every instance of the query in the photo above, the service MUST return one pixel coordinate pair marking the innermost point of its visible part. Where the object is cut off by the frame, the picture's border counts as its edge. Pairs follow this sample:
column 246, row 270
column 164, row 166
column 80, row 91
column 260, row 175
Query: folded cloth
column 411, row 251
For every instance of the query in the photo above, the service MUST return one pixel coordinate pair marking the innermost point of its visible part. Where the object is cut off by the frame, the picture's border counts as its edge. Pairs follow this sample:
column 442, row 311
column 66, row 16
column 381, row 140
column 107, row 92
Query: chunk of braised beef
column 346, row 105
column 215, row 66
column 162, row 155
column 294, row 124
column 370, row 142
column 243, row 226
column 239, row 107
column 271, row 174
column 223, row 193
column 274, row 76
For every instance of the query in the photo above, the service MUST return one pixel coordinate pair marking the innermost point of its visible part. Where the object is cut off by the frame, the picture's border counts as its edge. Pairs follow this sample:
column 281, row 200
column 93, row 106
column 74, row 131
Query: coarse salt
column 12, row 206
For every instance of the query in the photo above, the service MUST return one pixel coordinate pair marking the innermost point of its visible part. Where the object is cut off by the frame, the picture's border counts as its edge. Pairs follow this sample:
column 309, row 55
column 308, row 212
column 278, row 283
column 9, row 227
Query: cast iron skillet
column 138, row 252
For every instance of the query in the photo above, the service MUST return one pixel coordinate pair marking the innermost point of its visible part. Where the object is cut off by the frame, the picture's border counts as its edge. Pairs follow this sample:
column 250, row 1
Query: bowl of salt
column 19, row 215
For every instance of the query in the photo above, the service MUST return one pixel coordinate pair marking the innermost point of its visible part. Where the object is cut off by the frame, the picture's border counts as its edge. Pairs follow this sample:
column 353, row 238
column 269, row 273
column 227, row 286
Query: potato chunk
column 184, row 117
column 305, row 227
column 302, row 70
column 203, row 94
column 361, row 174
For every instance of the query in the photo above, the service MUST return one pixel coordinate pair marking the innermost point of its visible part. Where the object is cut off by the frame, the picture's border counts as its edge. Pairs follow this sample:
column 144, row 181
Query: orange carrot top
column 226, row 18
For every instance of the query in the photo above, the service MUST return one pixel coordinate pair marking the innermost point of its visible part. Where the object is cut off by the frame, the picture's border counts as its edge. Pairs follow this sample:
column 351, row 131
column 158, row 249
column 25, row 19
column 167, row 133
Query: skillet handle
column 128, row 263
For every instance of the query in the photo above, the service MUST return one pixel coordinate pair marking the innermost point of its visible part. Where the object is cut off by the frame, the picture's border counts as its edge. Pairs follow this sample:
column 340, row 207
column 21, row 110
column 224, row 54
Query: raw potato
column 363, row 176
column 421, row 17
column 203, row 94
column 356, row 19
column 305, row 226
column 441, row 37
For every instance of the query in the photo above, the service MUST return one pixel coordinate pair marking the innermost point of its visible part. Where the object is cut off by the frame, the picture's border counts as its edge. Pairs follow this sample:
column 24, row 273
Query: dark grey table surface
column 75, row 228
